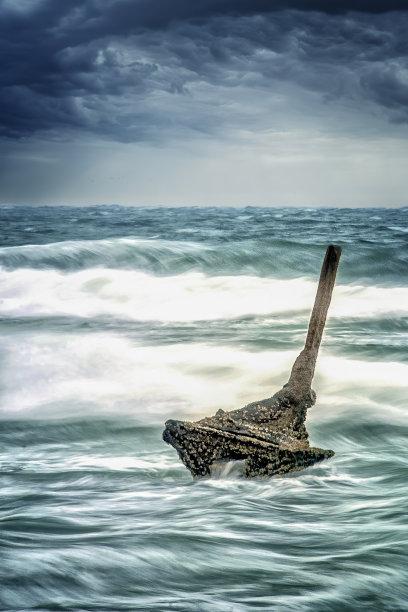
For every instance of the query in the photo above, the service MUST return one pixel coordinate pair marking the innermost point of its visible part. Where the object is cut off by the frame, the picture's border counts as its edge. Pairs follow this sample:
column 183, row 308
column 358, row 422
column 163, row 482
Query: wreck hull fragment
column 269, row 434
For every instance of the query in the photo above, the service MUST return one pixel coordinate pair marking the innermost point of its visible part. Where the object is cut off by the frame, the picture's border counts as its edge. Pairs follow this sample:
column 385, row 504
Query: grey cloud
column 388, row 86
column 132, row 70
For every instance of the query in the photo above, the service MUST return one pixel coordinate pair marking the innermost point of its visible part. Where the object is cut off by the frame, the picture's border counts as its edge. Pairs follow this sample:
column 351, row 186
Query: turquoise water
column 113, row 320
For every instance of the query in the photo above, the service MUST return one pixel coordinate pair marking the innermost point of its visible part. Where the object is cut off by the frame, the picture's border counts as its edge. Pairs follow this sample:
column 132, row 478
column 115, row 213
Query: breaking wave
column 193, row 296
column 276, row 257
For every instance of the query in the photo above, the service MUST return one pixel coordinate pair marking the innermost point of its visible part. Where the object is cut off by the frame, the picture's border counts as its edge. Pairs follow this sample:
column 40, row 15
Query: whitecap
column 48, row 375
column 192, row 296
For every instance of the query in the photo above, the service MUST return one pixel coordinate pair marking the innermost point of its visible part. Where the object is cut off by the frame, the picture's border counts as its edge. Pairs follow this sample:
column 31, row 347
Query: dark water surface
column 113, row 320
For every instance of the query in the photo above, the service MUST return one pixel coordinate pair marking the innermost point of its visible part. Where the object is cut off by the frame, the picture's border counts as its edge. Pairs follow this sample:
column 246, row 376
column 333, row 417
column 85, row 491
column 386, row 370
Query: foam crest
column 45, row 375
column 136, row 295
column 193, row 296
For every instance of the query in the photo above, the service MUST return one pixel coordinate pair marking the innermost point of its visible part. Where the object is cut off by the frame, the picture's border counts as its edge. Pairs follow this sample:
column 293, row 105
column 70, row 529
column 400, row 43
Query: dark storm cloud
column 133, row 69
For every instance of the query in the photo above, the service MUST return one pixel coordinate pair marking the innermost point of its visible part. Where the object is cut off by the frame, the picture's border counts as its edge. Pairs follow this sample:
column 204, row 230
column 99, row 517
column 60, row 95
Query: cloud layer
column 134, row 71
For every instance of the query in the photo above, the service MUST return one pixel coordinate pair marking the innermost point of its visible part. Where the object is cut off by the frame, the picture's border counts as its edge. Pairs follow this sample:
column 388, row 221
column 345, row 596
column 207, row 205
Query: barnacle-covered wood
column 270, row 434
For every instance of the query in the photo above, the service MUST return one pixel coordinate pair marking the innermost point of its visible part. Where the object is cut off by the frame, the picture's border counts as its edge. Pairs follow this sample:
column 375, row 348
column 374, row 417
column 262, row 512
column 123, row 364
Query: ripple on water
column 107, row 530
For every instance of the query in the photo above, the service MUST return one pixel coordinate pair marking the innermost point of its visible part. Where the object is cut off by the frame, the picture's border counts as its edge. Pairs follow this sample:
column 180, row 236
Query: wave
column 134, row 295
column 362, row 262
column 117, row 376
column 158, row 256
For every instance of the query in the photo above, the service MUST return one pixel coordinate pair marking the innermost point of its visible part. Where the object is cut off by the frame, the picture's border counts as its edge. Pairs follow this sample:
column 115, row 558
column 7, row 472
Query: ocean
column 113, row 320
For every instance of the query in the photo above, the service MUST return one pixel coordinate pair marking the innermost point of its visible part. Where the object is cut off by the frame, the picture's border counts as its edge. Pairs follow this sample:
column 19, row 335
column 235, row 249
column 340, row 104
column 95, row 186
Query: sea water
column 113, row 320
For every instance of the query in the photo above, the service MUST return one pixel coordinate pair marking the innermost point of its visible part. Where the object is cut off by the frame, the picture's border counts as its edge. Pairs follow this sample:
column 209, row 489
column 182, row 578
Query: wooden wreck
column 268, row 435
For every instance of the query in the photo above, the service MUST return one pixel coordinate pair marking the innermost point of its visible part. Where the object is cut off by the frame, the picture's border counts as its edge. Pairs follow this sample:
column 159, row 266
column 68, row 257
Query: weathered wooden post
column 270, row 434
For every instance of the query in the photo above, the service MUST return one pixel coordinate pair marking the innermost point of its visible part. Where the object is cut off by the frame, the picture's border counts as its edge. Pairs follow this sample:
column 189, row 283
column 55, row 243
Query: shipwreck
column 269, row 436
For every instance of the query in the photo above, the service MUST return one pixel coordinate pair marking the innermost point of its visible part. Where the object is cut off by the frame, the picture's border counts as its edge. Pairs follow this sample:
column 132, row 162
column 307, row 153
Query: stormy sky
column 204, row 102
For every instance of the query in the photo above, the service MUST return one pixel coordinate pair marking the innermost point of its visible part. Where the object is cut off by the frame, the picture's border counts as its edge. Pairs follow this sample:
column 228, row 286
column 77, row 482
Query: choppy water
column 113, row 320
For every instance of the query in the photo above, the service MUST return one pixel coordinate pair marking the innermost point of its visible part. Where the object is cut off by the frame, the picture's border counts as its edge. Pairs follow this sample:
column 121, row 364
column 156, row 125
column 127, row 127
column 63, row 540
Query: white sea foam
column 71, row 375
column 135, row 295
